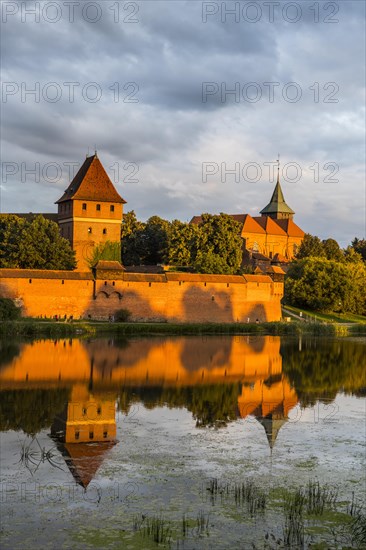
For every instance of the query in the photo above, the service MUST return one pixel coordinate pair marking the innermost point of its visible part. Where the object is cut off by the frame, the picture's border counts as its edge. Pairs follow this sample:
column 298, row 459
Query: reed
column 318, row 497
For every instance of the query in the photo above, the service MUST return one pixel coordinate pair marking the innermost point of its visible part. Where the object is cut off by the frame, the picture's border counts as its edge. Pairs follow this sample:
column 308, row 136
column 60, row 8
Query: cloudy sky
column 188, row 104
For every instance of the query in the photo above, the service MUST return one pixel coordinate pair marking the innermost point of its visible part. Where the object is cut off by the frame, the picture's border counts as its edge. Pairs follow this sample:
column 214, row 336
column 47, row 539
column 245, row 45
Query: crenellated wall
column 166, row 297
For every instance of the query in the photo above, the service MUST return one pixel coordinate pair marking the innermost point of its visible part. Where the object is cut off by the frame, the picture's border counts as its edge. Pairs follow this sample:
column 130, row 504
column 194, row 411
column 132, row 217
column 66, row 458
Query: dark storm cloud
column 165, row 58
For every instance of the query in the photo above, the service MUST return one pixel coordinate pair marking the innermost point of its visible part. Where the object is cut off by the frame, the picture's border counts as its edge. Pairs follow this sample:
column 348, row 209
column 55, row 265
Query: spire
column 277, row 207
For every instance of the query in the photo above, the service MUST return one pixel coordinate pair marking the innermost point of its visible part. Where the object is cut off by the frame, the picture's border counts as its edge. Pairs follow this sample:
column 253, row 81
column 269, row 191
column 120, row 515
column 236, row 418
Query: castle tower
column 90, row 211
column 277, row 208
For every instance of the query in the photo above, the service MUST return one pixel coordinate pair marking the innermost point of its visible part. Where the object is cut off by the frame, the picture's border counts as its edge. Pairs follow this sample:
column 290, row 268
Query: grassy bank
column 331, row 317
column 53, row 329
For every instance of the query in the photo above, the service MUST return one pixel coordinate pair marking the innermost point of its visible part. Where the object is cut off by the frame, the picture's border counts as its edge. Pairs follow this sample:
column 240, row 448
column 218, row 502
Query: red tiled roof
column 107, row 265
column 250, row 225
column 144, row 277
column 259, row 256
column 257, row 278
column 204, row 278
column 275, row 269
column 290, row 227
column 91, row 183
column 144, row 269
column 269, row 225
column 44, row 274
column 196, row 219
column 279, row 258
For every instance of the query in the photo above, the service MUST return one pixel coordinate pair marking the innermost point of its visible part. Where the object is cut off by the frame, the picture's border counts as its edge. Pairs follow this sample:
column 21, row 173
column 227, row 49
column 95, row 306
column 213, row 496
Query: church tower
column 90, row 211
column 277, row 209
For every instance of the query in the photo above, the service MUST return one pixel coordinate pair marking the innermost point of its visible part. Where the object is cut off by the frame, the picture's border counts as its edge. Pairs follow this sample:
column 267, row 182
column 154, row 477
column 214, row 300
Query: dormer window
column 98, row 207
column 84, row 206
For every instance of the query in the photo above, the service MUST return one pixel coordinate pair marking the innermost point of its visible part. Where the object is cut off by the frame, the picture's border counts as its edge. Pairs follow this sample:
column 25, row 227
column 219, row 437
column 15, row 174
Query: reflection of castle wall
column 174, row 297
column 86, row 418
column 167, row 361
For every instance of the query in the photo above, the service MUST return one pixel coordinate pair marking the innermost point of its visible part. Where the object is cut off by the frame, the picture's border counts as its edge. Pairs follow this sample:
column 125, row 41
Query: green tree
column 110, row 251
column 359, row 245
column 8, row 310
column 42, row 247
column 33, row 245
column 319, row 284
column 132, row 242
column 155, row 240
column 130, row 224
column 182, row 243
column 351, row 256
column 332, row 250
column 11, row 233
column 310, row 246
column 220, row 246
column 144, row 243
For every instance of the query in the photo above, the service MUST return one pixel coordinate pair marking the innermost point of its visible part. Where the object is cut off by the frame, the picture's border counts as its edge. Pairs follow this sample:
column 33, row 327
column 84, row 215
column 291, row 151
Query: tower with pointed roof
column 277, row 208
column 90, row 211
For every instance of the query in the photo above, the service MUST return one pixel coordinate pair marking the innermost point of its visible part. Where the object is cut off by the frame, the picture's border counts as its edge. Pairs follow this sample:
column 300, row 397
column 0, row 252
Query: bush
column 8, row 310
column 122, row 315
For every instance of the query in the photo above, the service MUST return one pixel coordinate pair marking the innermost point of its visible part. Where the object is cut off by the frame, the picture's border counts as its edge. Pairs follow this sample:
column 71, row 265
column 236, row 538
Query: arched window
column 90, row 230
column 104, row 231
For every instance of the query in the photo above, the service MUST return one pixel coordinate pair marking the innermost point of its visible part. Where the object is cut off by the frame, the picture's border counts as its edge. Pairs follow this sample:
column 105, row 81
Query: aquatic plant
column 252, row 496
column 203, row 522
column 318, row 497
column 293, row 530
column 155, row 528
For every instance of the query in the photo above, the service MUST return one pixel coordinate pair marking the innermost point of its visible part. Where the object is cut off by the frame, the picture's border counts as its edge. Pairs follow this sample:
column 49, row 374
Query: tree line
column 213, row 246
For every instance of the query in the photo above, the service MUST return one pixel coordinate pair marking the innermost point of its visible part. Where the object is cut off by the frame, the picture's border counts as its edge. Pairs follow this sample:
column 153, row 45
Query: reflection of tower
column 270, row 401
column 86, row 429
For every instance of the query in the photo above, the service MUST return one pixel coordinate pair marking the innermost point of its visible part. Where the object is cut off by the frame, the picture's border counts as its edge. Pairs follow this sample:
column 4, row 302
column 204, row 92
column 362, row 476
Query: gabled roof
column 290, row 227
column 275, row 269
column 196, row 219
column 269, row 225
column 91, row 183
column 277, row 203
column 279, row 258
column 250, row 225
column 107, row 265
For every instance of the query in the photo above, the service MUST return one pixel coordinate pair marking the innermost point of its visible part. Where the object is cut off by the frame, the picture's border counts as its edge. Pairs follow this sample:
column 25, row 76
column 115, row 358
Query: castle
column 272, row 238
column 90, row 213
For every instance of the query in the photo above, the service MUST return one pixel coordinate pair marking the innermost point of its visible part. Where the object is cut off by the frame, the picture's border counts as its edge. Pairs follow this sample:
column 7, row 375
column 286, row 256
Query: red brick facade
column 169, row 297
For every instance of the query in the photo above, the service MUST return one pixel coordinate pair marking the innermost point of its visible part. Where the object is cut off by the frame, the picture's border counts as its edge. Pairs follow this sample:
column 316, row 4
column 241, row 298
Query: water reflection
column 76, row 386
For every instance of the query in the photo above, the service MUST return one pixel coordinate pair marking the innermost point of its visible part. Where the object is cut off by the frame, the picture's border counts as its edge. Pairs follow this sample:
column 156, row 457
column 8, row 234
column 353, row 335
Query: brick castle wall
column 171, row 297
